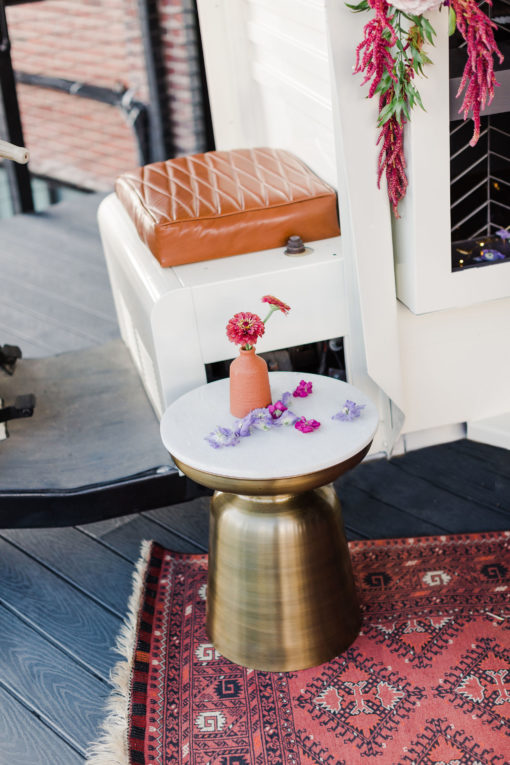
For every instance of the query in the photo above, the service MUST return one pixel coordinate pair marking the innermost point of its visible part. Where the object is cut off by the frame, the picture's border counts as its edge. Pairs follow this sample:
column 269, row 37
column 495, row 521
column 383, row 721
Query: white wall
column 280, row 74
column 269, row 79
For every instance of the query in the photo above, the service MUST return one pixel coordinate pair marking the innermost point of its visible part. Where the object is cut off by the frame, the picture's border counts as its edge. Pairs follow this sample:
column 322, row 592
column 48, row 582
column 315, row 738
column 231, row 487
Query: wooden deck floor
column 63, row 592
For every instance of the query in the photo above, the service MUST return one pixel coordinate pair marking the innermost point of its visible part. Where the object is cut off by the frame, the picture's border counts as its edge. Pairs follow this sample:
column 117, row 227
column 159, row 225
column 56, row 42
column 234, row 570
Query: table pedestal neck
column 281, row 593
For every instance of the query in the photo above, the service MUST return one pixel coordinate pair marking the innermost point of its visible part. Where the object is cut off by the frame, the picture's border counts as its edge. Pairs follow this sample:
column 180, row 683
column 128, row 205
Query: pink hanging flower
column 391, row 156
column 478, row 78
column 244, row 329
column 373, row 54
column 306, row 426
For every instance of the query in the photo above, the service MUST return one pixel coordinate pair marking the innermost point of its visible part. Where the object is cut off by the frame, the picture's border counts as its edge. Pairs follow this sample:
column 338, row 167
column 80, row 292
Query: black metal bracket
column 135, row 112
column 18, row 175
column 9, row 354
column 23, row 407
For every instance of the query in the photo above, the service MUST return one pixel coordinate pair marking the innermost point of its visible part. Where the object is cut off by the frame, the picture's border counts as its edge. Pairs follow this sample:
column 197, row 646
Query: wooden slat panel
column 58, row 610
column 81, row 560
column 126, row 535
column 69, row 699
column 25, row 740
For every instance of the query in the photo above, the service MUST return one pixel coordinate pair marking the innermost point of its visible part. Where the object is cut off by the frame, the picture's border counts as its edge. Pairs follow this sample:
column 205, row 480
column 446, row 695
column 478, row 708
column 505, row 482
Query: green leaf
column 386, row 113
column 418, row 100
column 428, row 30
column 452, row 21
column 363, row 6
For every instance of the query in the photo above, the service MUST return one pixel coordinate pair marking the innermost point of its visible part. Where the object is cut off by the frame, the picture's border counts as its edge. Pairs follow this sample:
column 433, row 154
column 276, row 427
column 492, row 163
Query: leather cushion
column 221, row 203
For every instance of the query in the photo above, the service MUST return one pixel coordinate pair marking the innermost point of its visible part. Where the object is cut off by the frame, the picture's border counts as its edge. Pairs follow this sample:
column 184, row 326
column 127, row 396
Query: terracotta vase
column 249, row 383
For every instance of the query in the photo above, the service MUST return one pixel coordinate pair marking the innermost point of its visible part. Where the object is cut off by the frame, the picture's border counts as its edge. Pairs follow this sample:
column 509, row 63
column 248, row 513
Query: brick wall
column 99, row 42
column 177, row 20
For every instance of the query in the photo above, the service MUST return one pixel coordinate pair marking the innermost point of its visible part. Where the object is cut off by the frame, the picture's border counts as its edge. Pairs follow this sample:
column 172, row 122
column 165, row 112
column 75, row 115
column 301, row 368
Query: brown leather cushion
column 223, row 203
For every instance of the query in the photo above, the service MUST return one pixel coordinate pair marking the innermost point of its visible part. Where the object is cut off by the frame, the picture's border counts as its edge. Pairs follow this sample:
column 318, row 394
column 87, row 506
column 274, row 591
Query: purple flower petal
column 286, row 398
column 350, row 411
column 222, row 437
column 288, row 418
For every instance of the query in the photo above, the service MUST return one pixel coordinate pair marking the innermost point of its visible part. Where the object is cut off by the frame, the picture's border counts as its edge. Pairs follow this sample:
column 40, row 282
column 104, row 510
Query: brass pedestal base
column 281, row 595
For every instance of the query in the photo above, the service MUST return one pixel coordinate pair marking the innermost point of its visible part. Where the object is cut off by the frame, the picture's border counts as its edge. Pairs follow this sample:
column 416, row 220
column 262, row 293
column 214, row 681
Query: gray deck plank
column 420, row 498
column 189, row 520
column 372, row 518
column 56, row 609
column 488, row 456
column 127, row 535
column 58, row 296
column 68, row 699
column 462, row 474
column 91, row 323
column 82, row 567
column 26, row 740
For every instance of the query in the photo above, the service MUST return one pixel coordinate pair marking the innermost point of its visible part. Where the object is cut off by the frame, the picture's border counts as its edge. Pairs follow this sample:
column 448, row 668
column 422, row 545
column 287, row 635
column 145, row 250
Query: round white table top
column 280, row 452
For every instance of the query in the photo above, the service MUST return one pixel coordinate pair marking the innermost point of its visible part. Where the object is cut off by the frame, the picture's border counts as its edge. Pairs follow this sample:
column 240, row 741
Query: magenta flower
column 303, row 389
column 306, row 426
column 350, row 411
column 276, row 410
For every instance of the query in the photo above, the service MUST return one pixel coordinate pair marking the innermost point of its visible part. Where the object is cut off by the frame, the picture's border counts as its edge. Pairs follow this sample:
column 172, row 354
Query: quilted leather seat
column 222, row 203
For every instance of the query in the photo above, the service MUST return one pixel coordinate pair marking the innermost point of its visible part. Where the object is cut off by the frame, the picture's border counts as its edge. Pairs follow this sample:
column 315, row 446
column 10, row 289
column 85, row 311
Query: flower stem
column 271, row 311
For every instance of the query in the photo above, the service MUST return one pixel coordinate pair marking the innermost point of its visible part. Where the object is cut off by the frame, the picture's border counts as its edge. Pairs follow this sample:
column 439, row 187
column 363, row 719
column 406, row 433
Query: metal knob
column 295, row 245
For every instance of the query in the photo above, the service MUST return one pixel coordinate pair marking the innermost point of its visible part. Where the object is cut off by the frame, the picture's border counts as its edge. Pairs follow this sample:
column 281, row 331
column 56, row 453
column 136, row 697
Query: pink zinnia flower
column 306, row 426
column 245, row 329
column 278, row 304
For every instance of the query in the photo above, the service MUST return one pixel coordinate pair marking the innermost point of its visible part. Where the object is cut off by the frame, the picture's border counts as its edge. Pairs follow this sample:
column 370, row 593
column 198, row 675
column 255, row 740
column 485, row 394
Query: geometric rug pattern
column 427, row 681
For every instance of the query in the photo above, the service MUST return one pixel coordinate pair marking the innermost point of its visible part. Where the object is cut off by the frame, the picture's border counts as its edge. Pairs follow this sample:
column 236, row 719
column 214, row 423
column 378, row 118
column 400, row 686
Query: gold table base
column 281, row 594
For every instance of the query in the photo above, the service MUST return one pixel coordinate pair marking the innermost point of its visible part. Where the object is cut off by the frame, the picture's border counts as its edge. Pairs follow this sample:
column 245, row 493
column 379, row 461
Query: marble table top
column 277, row 453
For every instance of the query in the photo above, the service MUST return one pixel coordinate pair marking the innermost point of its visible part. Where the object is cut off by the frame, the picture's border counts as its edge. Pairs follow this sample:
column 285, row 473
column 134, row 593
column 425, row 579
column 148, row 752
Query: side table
column 281, row 595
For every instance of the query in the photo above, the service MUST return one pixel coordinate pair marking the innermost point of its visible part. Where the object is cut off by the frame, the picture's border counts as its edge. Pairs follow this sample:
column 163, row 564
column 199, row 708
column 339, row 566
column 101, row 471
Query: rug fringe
column 112, row 746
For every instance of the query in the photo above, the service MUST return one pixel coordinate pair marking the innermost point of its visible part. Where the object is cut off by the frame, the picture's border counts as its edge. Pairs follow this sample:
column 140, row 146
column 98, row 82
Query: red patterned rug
column 427, row 680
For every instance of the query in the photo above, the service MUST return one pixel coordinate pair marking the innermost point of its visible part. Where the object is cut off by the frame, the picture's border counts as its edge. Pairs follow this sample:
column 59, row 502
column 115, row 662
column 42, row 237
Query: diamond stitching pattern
column 223, row 183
